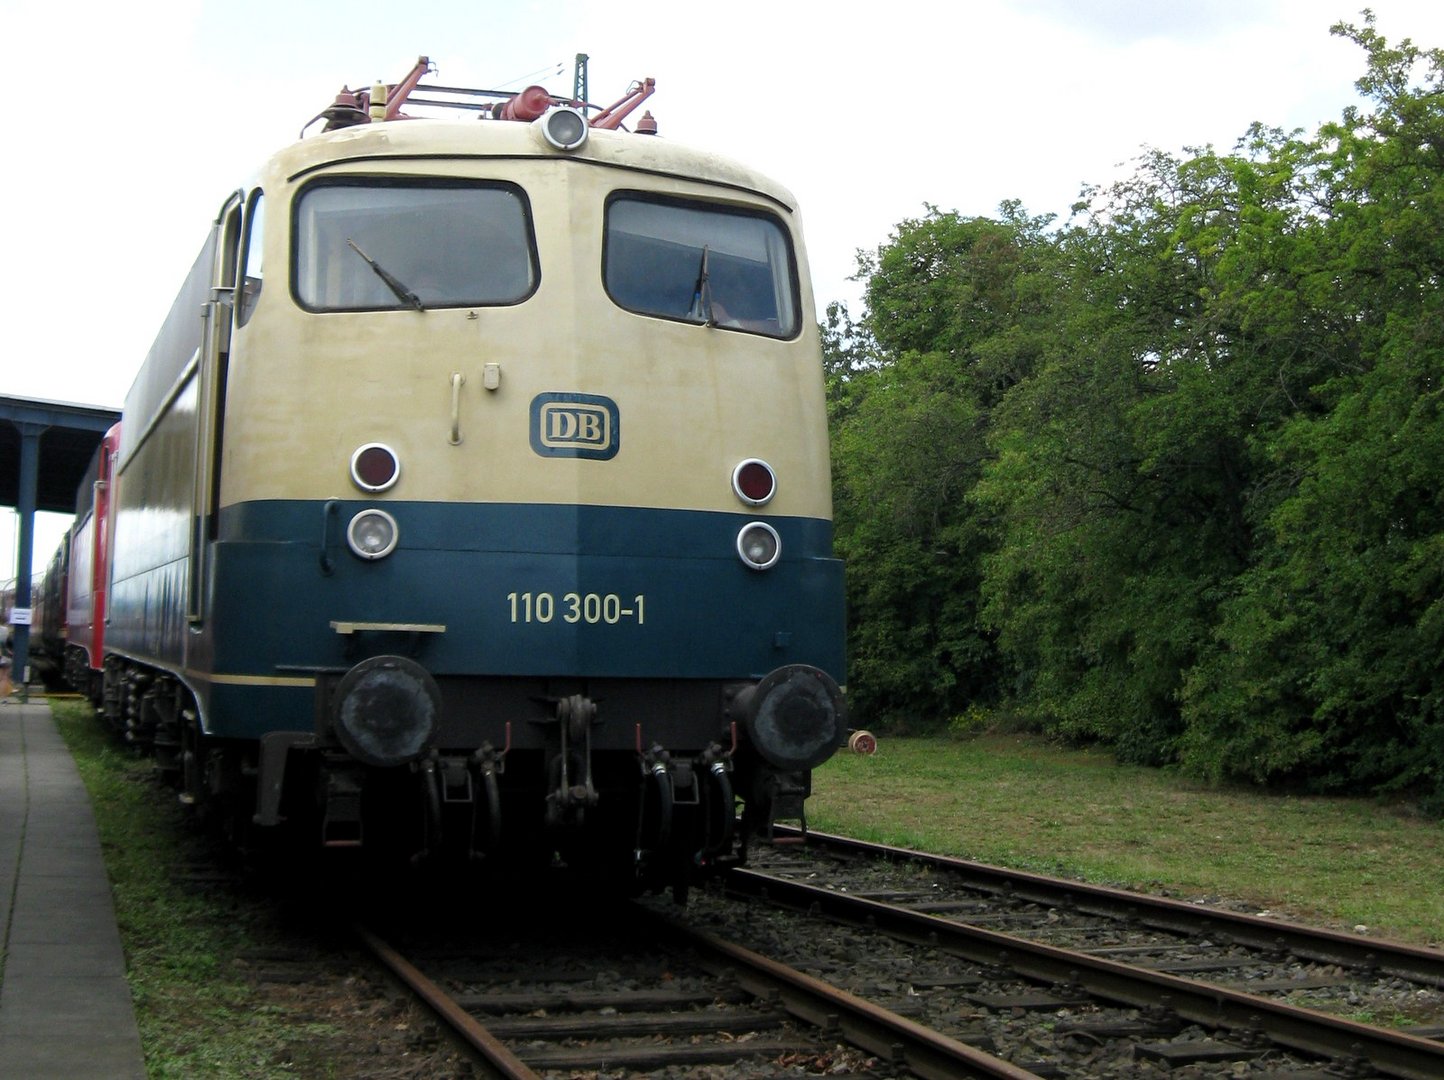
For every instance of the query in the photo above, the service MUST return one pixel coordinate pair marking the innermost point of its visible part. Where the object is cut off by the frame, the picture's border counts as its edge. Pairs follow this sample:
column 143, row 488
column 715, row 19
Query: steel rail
column 896, row 1039
column 1410, row 962
column 481, row 1040
column 926, row 1053
column 1390, row 1052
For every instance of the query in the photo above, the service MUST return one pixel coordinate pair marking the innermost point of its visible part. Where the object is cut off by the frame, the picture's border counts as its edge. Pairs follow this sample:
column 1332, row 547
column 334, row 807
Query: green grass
column 1018, row 801
column 195, row 1008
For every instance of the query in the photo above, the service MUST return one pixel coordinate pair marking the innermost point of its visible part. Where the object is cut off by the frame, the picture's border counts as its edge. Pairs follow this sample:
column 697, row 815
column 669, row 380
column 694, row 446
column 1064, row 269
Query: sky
column 130, row 123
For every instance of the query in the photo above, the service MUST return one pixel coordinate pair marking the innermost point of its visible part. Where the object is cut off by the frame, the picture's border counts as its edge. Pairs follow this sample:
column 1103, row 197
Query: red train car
column 89, row 571
column 67, row 634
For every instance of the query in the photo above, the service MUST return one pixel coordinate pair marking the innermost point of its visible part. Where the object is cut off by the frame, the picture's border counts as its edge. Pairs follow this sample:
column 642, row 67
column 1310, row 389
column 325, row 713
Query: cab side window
column 252, row 274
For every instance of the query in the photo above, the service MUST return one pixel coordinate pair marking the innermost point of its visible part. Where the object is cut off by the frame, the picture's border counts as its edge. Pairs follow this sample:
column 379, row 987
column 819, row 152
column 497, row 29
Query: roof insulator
column 344, row 111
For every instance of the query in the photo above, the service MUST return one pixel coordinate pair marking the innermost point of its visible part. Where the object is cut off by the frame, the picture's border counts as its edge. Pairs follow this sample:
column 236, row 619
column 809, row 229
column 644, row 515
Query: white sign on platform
column 20, row 616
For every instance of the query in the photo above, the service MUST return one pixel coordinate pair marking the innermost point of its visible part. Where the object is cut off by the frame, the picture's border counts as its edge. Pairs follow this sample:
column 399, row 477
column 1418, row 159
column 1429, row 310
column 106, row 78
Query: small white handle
column 457, row 379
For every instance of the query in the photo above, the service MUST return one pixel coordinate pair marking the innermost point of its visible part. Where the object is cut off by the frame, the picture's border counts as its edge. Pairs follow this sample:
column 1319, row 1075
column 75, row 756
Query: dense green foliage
column 1168, row 475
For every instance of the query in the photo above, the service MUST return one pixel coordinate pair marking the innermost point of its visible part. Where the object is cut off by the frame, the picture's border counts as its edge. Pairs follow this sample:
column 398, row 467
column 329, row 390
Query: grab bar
column 457, row 379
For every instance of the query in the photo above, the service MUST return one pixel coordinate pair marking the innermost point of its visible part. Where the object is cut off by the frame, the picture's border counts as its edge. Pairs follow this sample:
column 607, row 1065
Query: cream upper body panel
column 306, row 388
column 441, row 139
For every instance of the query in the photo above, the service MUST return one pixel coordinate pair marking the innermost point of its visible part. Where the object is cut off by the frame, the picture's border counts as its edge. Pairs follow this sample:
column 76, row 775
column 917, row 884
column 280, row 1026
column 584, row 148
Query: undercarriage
column 382, row 776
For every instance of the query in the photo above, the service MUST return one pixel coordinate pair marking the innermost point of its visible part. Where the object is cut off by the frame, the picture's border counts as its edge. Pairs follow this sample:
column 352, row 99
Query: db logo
column 575, row 425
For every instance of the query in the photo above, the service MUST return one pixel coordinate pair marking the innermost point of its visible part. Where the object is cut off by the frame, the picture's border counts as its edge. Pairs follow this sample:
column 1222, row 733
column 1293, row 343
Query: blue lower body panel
column 652, row 608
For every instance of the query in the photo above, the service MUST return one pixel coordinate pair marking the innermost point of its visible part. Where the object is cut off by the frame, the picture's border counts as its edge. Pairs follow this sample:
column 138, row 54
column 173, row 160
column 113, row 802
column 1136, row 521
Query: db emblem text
column 575, row 425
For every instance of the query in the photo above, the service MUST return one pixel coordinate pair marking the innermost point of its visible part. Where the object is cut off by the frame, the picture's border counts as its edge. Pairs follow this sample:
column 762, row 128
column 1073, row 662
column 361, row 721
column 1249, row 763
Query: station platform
column 65, row 1006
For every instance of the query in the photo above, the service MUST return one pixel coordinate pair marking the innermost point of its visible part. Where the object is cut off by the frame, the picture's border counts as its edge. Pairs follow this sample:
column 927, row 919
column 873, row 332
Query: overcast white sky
column 129, row 123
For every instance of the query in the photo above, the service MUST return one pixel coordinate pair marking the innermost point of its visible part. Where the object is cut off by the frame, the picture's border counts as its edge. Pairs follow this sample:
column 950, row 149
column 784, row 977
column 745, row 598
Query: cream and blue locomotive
column 474, row 498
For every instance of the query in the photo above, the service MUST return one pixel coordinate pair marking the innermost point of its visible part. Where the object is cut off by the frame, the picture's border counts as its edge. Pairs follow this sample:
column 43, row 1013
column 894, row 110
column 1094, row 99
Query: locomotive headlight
column 372, row 534
column 564, row 127
column 758, row 545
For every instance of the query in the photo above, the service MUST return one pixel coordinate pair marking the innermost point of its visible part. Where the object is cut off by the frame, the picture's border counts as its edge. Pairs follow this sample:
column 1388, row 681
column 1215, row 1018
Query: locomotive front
column 511, row 530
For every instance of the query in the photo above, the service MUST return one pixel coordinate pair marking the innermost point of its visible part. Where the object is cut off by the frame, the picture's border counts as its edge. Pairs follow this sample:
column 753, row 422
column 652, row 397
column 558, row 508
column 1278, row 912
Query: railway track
column 635, row 994
column 1265, row 956
column 1140, row 980
column 777, row 977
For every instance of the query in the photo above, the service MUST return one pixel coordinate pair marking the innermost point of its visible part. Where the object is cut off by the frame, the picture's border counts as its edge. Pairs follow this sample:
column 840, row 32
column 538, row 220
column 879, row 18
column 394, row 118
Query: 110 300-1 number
column 544, row 607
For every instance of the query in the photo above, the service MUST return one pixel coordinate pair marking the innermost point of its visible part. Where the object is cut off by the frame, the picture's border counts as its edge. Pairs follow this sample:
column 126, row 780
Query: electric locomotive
column 474, row 497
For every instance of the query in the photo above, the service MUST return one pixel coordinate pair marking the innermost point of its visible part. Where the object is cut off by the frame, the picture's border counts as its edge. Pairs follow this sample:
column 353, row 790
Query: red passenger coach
column 89, row 571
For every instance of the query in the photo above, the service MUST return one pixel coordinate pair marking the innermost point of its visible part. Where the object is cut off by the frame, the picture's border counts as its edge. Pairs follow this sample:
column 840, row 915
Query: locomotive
column 474, row 499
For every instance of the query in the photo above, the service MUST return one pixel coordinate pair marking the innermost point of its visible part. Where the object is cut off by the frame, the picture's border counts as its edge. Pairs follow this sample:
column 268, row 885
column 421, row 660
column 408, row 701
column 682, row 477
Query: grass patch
column 1019, row 801
column 247, row 974
column 184, row 942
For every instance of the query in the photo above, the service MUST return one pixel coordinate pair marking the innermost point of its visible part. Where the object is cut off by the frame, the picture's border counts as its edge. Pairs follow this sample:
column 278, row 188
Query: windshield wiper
column 701, row 308
column 405, row 295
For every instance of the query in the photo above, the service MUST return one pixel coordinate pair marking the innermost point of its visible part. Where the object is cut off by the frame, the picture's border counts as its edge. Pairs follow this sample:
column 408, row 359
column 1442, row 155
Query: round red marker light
column 754, row 482
column 374, row 467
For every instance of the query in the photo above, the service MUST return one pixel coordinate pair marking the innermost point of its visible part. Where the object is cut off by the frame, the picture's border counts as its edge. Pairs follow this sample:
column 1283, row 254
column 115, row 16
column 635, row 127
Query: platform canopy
column 69, row 434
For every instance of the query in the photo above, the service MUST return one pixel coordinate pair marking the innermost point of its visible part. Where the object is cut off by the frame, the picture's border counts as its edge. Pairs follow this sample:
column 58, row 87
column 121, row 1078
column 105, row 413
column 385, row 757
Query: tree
column 1328, row 665
column 1168, row 475
column 1125, row 464
column 911, row 390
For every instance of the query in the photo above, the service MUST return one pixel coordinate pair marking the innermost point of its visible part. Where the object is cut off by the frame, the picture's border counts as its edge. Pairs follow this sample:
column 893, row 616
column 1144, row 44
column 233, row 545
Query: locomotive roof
column 442, row 139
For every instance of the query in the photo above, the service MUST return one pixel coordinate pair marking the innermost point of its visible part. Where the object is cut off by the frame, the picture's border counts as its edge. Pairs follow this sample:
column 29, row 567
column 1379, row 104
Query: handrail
column 457, row 380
